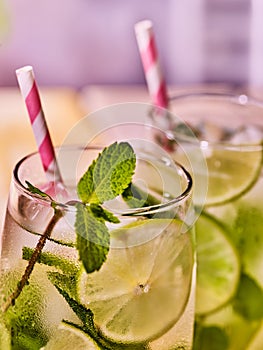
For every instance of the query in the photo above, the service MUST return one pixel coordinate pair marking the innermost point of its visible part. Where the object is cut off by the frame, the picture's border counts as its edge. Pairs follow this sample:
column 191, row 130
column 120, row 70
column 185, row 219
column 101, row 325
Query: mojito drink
column 114, row 271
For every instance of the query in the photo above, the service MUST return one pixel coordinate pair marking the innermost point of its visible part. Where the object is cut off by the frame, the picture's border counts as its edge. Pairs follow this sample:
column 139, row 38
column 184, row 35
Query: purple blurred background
column 81, row 42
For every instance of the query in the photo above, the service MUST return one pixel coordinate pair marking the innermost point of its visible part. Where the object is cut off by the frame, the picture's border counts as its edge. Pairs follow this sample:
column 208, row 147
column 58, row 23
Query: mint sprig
column 106, row 178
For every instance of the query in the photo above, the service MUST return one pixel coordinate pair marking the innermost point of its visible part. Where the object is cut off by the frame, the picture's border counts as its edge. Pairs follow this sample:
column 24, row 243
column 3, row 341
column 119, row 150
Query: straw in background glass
column 151, row 65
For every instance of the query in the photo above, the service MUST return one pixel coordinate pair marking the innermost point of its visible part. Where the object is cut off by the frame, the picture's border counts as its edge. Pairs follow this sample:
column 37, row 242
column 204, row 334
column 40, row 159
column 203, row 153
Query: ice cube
column 32, row 211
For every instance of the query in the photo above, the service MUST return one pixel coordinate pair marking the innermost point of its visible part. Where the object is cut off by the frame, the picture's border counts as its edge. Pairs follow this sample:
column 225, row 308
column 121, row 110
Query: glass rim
column 223, row 93
column 228, row 96
column 70, row 206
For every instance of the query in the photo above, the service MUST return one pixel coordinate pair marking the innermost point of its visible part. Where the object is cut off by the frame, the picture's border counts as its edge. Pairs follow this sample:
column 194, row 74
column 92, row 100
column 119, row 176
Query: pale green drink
column 141, row 297
column 228, row 132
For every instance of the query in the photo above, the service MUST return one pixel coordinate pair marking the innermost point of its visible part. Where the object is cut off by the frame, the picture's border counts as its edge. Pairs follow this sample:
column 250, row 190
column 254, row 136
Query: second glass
column 228, row 131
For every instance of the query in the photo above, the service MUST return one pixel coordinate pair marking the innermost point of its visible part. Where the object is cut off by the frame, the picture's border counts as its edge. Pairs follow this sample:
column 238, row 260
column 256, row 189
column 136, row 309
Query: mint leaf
column 67, row 282
column 109, row 175
column 249, row 299
column 100, row 212
column 84, row 314
column 33, row 189
column 93, row 238
column 65, row 265
column 86, row 186
column 138, row 198
column 210, row 337
column 134, row 196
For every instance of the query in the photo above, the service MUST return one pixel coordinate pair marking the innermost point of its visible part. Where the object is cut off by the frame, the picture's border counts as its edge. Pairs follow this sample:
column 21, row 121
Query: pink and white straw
column 29, row 90
column 152, row 70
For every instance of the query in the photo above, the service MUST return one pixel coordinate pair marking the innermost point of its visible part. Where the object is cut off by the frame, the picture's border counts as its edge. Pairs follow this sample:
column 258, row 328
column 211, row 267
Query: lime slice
column 218, row 266
column 231, row 173
column 141, row 290
column 67, row 337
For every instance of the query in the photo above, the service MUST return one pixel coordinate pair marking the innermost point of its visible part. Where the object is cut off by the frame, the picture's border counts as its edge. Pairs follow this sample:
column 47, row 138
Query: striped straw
column 152, row 70
column 29, row 90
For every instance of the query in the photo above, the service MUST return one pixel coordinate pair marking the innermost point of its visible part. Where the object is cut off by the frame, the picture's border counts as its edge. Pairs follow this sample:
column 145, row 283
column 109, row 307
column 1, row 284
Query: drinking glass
column 228, row 131
column 142, row 297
